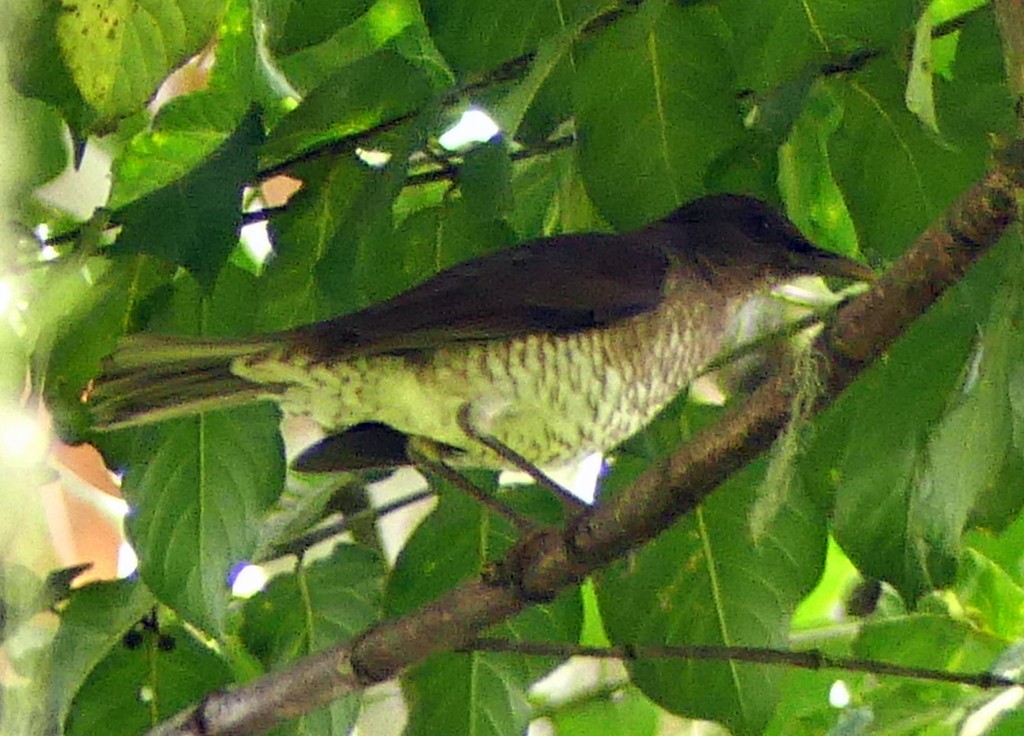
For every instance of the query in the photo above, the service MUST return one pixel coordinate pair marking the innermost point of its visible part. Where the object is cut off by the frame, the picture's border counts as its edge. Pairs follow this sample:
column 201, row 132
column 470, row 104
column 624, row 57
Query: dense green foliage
column 611, row 115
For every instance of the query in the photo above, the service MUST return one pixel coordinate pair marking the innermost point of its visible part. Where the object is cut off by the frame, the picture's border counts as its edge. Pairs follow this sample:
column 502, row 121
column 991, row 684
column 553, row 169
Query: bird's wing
column 561, row 284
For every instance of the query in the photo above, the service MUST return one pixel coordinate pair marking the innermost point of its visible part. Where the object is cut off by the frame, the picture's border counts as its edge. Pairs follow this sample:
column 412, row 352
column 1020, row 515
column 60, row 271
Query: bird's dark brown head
column 736, row 234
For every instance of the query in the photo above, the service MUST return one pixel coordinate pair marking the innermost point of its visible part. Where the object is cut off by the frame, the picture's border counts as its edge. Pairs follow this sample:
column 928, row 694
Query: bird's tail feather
column 150, row 378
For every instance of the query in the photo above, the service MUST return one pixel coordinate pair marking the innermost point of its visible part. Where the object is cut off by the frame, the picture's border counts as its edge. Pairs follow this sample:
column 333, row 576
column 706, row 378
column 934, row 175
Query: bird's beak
column 825, row 263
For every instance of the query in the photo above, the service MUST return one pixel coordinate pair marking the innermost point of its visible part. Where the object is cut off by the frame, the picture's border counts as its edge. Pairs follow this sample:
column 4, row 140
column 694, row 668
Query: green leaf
column 485, row 181
column 1005, row 549
column 468, row 693
column 977, row 102
column 319, row 605
column 433, row 239
column 895, row 176
column 968, row 451
column 547, row 72
column 774, row 113
column 804, row 708
column 927, row 640
column 39, row 70
column 158, row 159
column 818, row 609
column 397, row 24
column 930, row 641
column 626, row 712
column 337, row 248
column 195, row 486
column 778, row 40
column 475, row 37
column 43, row 150
column 296, row 24
column 920, row 95
column 551, row 199
column 877, row 501
column 363, row 95
column 133, row 689
column 461, row 235
column 535, row 184
column 485, row 692
column 305, row 502
column 474, row 692
column 1010, row 724
column 937, row 446
column 451, row 545
column 92, row 625
column 119, row 51
column 332, row 239
column 23, row 594
column 998, row 511
column 705, row 582
column 814, row 201
column 993, row 599
column 302, row 235
column 194, row 221
column 900, row 505
column 101, row 298
column 654, row 108
column 1015, row 388
column 189, row 128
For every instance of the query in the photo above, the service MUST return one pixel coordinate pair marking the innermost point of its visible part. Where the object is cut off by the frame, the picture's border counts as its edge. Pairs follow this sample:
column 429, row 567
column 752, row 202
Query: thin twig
column 449, row 171
column 262, row 214
column 813, row 659
column 299, row 545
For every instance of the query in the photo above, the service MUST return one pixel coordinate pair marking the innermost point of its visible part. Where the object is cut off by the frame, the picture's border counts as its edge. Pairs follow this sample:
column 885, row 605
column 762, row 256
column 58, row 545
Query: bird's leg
column 426, row 460
column 573, row 505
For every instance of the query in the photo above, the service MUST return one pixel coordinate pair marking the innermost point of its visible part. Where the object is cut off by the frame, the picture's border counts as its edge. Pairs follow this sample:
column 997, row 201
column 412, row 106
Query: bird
column 558, row 348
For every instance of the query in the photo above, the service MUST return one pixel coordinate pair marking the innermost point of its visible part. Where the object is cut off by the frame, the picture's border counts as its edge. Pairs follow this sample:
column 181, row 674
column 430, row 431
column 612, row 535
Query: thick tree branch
column 547, row 562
